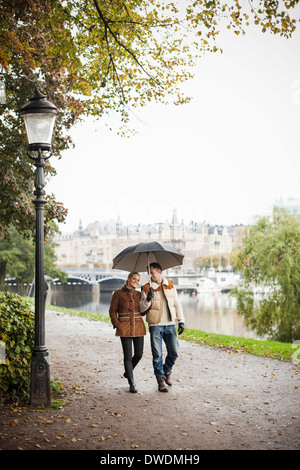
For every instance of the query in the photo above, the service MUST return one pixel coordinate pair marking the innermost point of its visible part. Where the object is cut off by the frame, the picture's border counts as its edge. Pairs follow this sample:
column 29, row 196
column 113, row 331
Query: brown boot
column 168, row 379
column 161, row 384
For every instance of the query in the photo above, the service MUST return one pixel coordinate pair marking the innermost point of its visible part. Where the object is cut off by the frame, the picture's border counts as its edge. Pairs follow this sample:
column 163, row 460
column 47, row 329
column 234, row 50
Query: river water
column 212, row 313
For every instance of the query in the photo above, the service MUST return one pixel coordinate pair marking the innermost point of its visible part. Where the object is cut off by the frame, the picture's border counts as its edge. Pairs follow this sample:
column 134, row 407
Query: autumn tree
column 92, row 57
column 17, row 259
column 269, row 294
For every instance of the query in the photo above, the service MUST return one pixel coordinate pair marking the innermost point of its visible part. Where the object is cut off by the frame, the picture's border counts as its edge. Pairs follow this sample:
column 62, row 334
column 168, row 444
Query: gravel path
column 219, row 400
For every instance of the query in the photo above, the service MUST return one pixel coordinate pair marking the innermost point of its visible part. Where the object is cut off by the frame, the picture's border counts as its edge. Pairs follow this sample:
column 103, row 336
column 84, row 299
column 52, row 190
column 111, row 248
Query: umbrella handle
column 149, row 269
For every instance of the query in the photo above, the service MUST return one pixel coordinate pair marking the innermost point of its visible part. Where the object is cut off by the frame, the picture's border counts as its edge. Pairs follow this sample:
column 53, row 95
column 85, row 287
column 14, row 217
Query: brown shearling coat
column 125, row 313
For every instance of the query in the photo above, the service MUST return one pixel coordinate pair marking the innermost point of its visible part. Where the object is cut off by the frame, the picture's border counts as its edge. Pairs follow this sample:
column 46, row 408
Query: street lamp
column 39, row 117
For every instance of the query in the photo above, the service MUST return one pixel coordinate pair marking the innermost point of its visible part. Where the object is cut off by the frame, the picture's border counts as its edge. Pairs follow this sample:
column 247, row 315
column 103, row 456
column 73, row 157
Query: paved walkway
column 219, row 400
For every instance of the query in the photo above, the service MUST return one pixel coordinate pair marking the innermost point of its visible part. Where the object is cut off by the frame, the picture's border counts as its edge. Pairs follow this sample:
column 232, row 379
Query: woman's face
column 134, row 281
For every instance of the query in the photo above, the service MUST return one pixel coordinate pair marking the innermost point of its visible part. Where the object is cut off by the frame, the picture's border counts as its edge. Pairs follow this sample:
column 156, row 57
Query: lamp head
column 39, row 117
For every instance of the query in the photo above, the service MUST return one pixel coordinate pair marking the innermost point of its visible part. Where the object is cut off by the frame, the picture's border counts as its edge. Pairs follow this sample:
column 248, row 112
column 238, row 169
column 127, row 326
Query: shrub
column 17, row 334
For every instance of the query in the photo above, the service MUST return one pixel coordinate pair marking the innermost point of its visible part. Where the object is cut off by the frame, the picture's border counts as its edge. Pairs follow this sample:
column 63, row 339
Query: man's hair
column 155, row 266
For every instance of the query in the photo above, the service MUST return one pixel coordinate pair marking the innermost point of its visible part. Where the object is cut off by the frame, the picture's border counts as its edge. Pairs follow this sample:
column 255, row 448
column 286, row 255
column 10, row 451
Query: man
column 161, row 302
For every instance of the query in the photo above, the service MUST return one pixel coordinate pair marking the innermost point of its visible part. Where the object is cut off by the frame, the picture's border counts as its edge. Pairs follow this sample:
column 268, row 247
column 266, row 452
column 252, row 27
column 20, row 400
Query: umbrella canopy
column 139, row 257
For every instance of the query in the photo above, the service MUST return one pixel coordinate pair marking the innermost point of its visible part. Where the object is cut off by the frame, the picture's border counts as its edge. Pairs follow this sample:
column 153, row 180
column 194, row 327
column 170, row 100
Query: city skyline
column 225, row 157
column 99, row 242
column 111, row 224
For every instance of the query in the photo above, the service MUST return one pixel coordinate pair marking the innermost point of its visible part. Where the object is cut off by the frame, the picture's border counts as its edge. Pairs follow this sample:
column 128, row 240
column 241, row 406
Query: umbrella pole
column 149, row 269
column 149, row 272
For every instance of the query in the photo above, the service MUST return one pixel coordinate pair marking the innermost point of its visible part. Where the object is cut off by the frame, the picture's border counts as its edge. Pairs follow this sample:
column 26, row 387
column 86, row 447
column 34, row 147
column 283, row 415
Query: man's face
column 155, row 275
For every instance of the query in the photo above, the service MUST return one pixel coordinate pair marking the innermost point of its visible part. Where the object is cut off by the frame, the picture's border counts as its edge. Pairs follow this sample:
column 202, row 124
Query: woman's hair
column 131, row 274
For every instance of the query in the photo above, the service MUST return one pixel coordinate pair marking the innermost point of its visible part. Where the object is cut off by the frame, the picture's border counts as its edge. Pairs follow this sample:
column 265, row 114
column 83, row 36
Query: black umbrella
column 139, row 257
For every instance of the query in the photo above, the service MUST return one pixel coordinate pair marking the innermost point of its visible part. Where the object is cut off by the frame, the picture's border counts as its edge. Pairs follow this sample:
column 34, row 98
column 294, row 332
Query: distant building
column 97, row 244
column 291, row 206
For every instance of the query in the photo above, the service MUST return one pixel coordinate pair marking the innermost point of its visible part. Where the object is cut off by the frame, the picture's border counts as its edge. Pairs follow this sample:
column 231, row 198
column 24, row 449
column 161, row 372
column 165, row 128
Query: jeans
column 131, row 361
column 169, row 335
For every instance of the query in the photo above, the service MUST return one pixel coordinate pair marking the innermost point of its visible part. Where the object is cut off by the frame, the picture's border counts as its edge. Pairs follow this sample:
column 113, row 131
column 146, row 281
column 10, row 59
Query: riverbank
column 211, row 312
column 219, row 399
column 264, row 348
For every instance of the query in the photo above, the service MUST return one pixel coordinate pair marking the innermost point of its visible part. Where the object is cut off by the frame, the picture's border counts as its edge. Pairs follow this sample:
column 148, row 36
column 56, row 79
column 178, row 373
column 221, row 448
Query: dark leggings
column 131, row 361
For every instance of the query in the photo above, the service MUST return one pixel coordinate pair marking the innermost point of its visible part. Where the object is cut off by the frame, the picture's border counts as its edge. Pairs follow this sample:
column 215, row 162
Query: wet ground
column 218, row 400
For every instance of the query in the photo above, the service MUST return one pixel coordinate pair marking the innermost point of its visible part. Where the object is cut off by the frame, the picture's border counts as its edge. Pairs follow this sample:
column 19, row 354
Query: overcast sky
column 224, row 158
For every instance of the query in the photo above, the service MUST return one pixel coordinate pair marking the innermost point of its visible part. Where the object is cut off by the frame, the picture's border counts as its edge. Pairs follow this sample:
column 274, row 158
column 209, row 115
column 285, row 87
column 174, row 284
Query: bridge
column 111, row 279
column 86, row 280
column 91, row 276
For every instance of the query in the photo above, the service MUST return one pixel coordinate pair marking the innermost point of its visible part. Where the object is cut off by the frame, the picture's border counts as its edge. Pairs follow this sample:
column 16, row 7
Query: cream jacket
column 165, row 307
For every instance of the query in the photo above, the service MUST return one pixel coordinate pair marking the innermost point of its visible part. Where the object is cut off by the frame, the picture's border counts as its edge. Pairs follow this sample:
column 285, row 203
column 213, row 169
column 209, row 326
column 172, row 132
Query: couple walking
column 159, row 302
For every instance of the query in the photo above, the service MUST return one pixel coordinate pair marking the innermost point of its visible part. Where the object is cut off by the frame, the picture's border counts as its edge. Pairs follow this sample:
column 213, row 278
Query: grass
column 264, row 348
column 80, row 313
column 56, row 393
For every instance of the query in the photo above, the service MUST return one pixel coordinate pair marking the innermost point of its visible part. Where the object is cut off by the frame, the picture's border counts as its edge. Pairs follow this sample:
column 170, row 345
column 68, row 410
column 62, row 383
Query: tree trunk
column 2, row 274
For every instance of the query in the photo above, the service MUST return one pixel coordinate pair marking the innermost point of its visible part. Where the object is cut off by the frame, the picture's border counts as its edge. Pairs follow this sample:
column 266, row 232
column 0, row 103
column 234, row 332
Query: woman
column 125, row 316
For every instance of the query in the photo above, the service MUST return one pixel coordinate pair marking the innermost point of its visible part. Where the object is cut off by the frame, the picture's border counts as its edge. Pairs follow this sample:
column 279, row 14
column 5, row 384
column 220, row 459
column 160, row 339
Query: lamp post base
column 40, row 379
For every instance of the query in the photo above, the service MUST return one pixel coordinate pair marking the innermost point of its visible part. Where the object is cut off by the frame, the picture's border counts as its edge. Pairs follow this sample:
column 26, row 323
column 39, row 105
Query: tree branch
column 108, row 28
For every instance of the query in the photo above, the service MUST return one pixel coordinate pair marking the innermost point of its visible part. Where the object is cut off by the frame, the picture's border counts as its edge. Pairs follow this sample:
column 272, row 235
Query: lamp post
column 39, row 117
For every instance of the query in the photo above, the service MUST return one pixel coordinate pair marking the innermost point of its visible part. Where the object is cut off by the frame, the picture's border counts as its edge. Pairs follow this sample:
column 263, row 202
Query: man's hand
column 150, row 295
column 180, row 328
